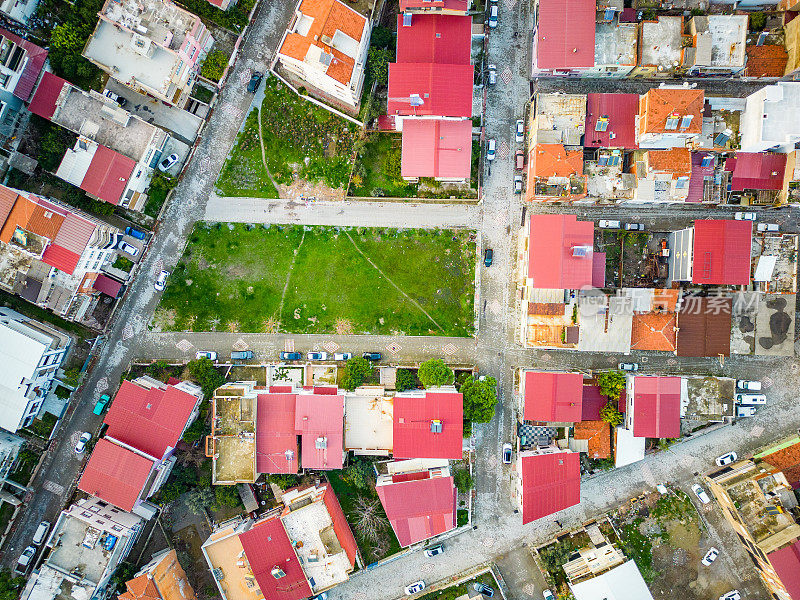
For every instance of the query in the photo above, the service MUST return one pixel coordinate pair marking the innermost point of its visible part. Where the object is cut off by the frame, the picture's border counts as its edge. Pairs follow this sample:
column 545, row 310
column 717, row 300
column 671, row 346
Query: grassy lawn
column 301, row 140
column 316, row 280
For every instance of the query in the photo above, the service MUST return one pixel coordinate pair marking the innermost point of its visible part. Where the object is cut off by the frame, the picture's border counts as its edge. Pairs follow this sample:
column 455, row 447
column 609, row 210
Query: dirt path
column 264, row 157
column 289, row 274
column 397, row 287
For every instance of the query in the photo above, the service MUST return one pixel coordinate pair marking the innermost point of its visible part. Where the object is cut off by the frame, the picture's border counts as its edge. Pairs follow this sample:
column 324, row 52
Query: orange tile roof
column 654, row 331
column 599, row 435
column 786, row 460
column 329, row 17
column 166, row 580
column 553, row 160
column 659, row 103
column 32, row 217
column 140, row 588
column 766, row 61
column 677, row 161
column 665, row 300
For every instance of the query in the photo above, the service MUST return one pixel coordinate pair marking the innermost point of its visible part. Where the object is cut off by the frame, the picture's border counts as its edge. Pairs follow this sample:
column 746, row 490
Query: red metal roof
column 786, row 563
column 620, row 110
column 107, row 285
column 44, row 98
column 722, row 252
column 599, row 269
column 275, row 434
column 657, row 407
column 115, row 474
column 267, row 546
column 60, row 258
column 565, row 34
column 550, row 483
column 552, row 263
column 437, row 148
column 698, row 176
column 320, row 417
column 435, row 38
column 35, row 57
column 443, row 90
column 756, row 171
column 425, row 4
column 419, row 509
column 108, row 175
column 75, row 233
column 413, row 421
column 340, row 525
column 553, row 397
column 151, row 421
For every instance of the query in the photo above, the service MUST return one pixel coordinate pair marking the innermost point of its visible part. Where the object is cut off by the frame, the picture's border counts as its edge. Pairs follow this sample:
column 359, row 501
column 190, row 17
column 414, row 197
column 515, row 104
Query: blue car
column 139, row 235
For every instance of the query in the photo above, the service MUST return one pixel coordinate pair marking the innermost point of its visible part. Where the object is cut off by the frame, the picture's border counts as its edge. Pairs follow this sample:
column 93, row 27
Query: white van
column 751, row 399
column 41, row 533
column 745, row 411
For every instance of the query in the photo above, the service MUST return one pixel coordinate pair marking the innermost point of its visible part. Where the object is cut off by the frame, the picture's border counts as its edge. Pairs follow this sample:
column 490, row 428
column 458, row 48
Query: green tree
column 284, row 480
column 381, row 37
column 405, row 380
column 214, row 65
column 227, row 495
column 66, row 44
column 356, row 371
column 378, row 61
column 434, row 373
column 195, row 431
column 200, row 499
column 206, row 375
column 480, row 396
column 611, row 384
column 72, row 376
column 610, row 414
column 360, row 474
column 10, row 586
column 463, row 480
column 125, row 572
column 758, row 21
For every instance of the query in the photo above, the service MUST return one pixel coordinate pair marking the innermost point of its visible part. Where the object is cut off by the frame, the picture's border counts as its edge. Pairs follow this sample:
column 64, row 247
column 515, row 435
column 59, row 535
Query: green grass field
column 319, row 280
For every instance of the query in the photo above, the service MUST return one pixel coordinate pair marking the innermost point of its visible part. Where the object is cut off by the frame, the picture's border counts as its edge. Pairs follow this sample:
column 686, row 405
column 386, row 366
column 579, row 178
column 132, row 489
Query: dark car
column 255, row 81
column 484, row 589
column 372, row 355
column 133, row 232
column 488, row 256
column 291, row 356
column 242, row 355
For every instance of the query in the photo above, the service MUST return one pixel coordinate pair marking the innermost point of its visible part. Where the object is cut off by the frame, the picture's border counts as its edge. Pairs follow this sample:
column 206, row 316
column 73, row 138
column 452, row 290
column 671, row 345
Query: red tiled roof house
column 550, row 397
column 654, row 406
column 546, row 481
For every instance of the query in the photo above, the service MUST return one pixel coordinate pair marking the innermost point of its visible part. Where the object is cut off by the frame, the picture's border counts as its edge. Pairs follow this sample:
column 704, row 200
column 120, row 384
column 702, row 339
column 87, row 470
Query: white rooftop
column 620, row 583
column 629, row 449
column 20, row 354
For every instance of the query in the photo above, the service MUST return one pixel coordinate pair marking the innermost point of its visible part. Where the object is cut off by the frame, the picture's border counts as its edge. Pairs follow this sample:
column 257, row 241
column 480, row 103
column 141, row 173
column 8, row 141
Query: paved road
column 732, row 88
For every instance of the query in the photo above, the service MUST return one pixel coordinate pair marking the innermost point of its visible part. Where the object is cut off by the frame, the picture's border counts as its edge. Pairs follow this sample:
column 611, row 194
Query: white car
column 548, row 595
column 517, row 184
column 733, row 595
column 606, row 224
column 342, row 356
column 491, row 149
column 126, row 247
column 80, row 447
column 770, row 227
column 434, row 550
column 209, row 354
column 749, row 385
column 317, row 356
column 710, row 556
column 507, row 453
column 727, row 459
column 415, row 588
column 161, row 281
column 493, row 17
column 165, row 164
column 25, row 561
column 745, row 216
column 492, row 74
column 519, row 132
column 745, row 411
column 628, row 366
column 701, row 494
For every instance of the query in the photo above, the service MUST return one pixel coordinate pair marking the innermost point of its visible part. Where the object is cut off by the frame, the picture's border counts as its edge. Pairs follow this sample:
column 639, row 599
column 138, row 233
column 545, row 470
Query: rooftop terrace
column 80, row 549
column 615, row 44
column 233, row 441
column 162, row 22
column 368, row 426
column 661, row 42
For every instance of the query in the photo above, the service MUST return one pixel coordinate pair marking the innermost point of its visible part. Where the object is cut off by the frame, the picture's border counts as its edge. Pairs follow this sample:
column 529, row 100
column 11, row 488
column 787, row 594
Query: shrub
column 214, row 65
column 195, row 431
column 434, row 373
column 611, row 384
column 381, row 37
column 356, row 372
column 392, row 161
column 378, row 61
column 463, row 480
column 758, row 21
column 206, row 375
column 284, row 481
column 360, row 474
column 610, row 414
column 227, row 495
column 480, row 397
column 405, row 380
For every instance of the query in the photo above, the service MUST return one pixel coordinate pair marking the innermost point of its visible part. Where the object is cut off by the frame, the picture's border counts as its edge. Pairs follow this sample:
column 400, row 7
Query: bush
column 480, row 397
column 467, row 428
column 758, row 21
column 356, row 371
column 405, row 380
column 382, row 37
column 378, row 61
column 463, row 480
column 160, row 186
column 392, row 162
column 360, row 474
column 284, row 481
column 611, row 384
column 214, row 65
column 610, row 414
column 206, row 375
column 434, row 373
column 227, row 495
column 195, row 431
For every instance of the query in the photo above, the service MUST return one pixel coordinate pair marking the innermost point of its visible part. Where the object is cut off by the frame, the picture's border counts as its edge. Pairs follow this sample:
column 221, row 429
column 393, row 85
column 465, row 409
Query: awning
column 108, row 286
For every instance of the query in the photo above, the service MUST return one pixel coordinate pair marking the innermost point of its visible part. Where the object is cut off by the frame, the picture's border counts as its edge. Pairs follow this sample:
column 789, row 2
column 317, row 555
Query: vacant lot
column 322, row 280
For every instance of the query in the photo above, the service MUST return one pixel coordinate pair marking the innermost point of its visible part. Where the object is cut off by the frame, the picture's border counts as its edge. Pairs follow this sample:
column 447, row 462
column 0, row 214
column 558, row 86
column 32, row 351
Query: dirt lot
column 632, row 258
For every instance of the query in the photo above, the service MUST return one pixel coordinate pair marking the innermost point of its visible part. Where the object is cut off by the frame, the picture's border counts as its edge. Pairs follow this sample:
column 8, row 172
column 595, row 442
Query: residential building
column 19, row 10
column 325, row 48
column 10, row 445
column 771, row 118
column 619, row 583
column 557, row 118
column 593, row 438
column 547, row 480
column 368, row 421
column 718, row 45
column 611, row 121
column 759, row 177
column 563, row 36
column 704, row 326
column 88, row 542
column 53, row 254
column 599, row 556
column 428, row 424
column 550, row 397
column 116, row 152
column 222, row 4
column 653, row 406
column 21, row 64
column 660, row 47
column 420, row 503
column 712, row 252
column 791, row 32
column 555, row 174
column 670, row 117
column 145, row 422
column 293, row 552
column 162, row 578
column 154, row 48
column 30, row 355
column 767, row 61
column 447, row 7
column 615, row 44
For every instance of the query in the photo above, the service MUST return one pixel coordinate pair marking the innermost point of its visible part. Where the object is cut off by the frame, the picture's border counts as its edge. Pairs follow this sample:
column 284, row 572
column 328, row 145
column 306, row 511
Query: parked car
column 242, row 355
column 548, row 595
column 100, row 405
column 519, row 131
column 482, row 588
column 41, row 533
column 751, row 399
column 628, row 366
column 415, row 587
column 493, row 17
column 701, row 494
column 372, row 355
column 491, row 149
column 634, row 226
column 710, row 556
column 749, row 385
column 342, row 356
column 133, row 232
column 732, row 595
column 606, row 224
column 488, row 256
column 165, row 164
column 745, row 411
column 255, row 81
column 507, row 452
column 519, row 160
column 662, row 489
column 80, row 447
column 492, row 74
column 126, row 247
column 745, row 216
column 771, row 227
column 291, row 356
column 517, row 184
column 25, row 561
column 161, row 281
column 434, row 550
column 209, row 354
column 727, row 459
column 115, row 97
column 317, row 356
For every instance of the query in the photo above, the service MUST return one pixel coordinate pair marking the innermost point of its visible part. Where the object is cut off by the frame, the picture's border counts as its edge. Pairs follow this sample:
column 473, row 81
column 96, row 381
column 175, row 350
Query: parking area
column 181, row 149
column 522, row 576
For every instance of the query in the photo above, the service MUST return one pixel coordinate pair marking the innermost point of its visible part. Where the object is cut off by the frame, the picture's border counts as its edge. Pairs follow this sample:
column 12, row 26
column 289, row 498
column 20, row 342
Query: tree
column 360, row 474
column 434, row 373
column 378, row 61
column 284, row 481
column 199, row 499
column 195, row 431
column 610, row 414
column 611, row 384
column 381, row 37
column 125, row 572
column 10, row 586
column 758, row 21
column 405, row 380
column 356, row 372
column 227, row 495
column 463, row 480
column 370, row 520
column 214, row 65
column 480, row 396
column 206, row 375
